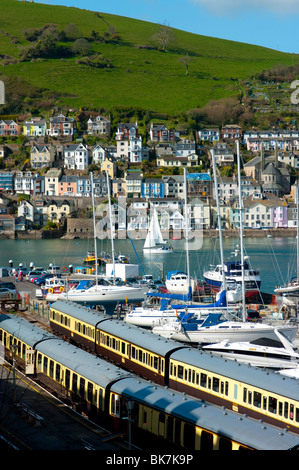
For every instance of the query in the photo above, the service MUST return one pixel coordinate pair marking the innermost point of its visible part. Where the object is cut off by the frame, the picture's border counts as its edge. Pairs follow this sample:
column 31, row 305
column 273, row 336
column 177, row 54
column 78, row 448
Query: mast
column 219, row 220
column 186, row 229
column 94, row 228
column 241, row 231
column 111, row 227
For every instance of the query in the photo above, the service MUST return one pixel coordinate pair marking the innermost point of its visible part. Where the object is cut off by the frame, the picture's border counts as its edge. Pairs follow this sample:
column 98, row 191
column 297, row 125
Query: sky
column 267, row 23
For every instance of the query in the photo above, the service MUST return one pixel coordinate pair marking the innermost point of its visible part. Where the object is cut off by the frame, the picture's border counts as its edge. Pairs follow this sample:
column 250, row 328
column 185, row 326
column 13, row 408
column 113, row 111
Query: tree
column 185, row 60
column 164, row 36
column 81, row 46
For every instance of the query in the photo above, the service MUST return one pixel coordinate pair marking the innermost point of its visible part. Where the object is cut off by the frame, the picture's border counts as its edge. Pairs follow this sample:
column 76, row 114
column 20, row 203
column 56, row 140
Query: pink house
column 9, row 128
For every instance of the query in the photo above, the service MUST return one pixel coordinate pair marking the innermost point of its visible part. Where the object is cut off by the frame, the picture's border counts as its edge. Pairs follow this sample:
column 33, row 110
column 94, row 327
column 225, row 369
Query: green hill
column 118, row 63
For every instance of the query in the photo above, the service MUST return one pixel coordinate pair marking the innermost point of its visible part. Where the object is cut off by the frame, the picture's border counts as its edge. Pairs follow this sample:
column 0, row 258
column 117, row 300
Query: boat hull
column 101, row 295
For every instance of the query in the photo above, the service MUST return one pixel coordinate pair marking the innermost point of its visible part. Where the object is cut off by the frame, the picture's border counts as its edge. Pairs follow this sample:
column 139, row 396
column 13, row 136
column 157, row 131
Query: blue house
column 152, row 187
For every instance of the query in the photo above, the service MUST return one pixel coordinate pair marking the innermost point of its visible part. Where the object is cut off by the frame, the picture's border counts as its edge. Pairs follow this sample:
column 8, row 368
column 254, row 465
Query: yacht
column 178, row 282
column 263, row 352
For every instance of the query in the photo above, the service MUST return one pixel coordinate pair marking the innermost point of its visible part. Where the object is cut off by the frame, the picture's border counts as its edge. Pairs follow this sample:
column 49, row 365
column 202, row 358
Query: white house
column 76, row 156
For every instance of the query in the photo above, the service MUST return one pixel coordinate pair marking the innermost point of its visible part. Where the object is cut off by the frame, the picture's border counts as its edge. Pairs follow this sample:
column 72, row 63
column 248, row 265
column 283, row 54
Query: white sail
column 157, row 230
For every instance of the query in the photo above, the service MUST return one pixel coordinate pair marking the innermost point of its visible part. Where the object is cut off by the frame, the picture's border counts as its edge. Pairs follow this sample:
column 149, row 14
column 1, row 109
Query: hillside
column 118, row 63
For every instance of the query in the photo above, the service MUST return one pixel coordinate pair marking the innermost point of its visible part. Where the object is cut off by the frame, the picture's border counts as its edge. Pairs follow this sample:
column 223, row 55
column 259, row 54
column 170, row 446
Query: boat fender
column 51, row 290
column 64, row 268
column 61, row 289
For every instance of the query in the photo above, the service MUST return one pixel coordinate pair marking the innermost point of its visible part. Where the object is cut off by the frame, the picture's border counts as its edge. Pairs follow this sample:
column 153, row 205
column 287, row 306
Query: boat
column 148, row 317
column 154, row 239
column 178, row 282
column 216, row 328
column 290, row 291
column 107, row 294
column 233, row 272
column 264, row 352
column 55, row 286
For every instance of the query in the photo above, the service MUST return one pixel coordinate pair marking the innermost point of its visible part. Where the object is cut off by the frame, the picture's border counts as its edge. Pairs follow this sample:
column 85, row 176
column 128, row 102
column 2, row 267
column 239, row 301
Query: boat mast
column 186, row 229
column 219, row 220
column 111, row 227
column 94, row 228
column 241, row 231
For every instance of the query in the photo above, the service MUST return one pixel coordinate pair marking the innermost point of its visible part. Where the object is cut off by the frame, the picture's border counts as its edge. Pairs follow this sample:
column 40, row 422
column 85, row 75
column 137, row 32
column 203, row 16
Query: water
column 274, row 257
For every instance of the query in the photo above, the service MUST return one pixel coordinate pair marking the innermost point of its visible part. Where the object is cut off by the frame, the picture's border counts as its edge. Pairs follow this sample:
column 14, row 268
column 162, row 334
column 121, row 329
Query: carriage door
column 29, row 361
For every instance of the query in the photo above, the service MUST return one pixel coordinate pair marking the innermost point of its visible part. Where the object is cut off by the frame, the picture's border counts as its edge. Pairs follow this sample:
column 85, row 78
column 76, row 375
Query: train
column 107, row 393
column 260, row 394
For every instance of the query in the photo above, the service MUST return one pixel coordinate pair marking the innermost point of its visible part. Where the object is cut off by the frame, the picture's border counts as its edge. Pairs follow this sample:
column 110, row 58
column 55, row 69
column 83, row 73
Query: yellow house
column 110, row 167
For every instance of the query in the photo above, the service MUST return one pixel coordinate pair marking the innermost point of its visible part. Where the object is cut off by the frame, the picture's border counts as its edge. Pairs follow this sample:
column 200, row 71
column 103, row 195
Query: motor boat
column 55, row 286
column 263, row 352
column 178, row 282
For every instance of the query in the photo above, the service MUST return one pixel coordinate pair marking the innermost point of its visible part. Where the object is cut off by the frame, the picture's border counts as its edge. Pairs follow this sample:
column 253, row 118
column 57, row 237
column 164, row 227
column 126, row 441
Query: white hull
column 180, row 286
column 290, row 289
column 100, row 295
column 147, row 317
column 157, row 250
column 226, row 331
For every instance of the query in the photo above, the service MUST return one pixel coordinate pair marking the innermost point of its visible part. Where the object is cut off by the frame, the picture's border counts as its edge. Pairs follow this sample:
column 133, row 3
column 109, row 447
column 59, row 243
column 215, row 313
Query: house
column 119, row 187
column 76, row 156
column 174, row 186
column 29, row 183
column 160, row 133
column 134, row 184
column 51, row 180
column 262, row 212
column 177, row 162
column 132, row 150
column 9, row 127
column 35, row 213
column 61, row 126
column 224, row 155
column 231, row 132
column 58, row 211
column 84, row 186
column 228, row 187
column 185, row 148
column 35, row 128
column 67, row 186
column 200, row 214
column 7, row 180
column 109, row 166
column 137, row 215
column 126, row 131
column 26, row 210
column 199, row 185
column 210, row 135
column 98, row 154
column 7, row 223
column 98, row 126
column 42, row 156
column 152, row 187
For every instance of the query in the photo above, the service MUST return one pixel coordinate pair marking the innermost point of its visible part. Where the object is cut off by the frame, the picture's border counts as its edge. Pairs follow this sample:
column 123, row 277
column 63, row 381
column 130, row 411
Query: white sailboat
column 154, row 238
column 178, row 282
column 106, row 294
column 214, row 329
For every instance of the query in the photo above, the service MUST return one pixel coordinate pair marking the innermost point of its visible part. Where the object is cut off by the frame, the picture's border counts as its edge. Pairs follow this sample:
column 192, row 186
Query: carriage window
column 144, row 418
column 140, row 355
column 206, row 441
column 133, row 352
column 272, row 405
column 89, row 391
column 215, row 384
column 123, row 347
column 67, row 378
column 225, row 444
column 100, row 398
column 249, row 397
column 203, row 380
column 291, row 412
column 45, row 368
column 82, row 387
column 51, row 369
column 264, row 403
column 189, row 436
column 155, row 363
column 297, row 415
column 169, row 428
column 286, row 409
column 74, row 383
column 180, row 372
column 39, row 361
column 115, row 405
column 244, row 395
column 257, row 399
column 58, row 372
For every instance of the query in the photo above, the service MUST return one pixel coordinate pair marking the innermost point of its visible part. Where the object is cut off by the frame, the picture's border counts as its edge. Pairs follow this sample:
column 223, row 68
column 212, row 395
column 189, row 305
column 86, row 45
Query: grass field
column 139, row 77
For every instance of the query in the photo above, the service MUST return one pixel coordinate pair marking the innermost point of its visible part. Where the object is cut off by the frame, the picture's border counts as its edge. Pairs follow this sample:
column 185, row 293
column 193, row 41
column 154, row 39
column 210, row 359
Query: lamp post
column 130, row 406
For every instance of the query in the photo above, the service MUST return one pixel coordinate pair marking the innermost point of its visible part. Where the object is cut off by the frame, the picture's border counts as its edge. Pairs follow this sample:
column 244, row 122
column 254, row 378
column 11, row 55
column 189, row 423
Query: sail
column 156, row 230
column 150, row 241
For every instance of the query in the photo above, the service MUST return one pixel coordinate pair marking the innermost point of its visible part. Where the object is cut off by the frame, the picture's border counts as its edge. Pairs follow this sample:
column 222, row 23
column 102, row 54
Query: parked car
column 42, row 279
column 34, row 275
column 54, row 270
column 5, row 292
column 8, row 285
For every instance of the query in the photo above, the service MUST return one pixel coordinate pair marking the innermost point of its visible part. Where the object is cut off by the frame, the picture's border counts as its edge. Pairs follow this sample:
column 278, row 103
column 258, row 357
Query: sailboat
column 106, row 294
column 177, row 282
column 290, row 291
column 154, row 239
column 215, row 329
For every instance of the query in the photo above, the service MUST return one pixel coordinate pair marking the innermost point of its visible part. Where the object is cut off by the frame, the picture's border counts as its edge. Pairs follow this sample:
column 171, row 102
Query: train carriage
column 132, row 347
column 194, row 424
column 103, row 391
column 259, row 393
column 250, row 390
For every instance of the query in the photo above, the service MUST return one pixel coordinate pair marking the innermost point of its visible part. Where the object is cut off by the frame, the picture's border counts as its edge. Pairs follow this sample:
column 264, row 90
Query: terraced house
column 42, row 156
column 9, row 128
